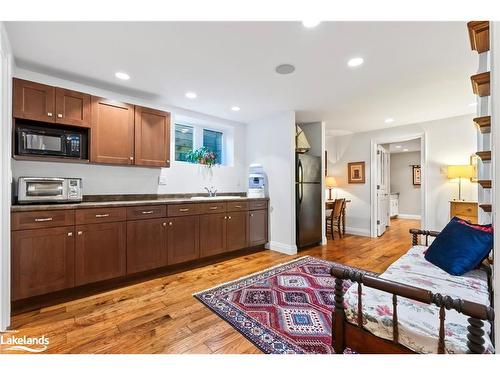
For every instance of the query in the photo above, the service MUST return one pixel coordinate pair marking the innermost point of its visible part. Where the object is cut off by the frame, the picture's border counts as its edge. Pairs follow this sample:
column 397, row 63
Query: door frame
column 373, row 173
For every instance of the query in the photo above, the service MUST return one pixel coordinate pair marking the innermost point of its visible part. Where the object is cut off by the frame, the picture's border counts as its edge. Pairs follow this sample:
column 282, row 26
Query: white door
column 383, row 187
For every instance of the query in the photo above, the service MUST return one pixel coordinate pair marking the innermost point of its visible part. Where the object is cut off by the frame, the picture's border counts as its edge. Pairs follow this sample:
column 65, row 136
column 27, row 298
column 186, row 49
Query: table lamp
column 460, row 171
column 330, row 184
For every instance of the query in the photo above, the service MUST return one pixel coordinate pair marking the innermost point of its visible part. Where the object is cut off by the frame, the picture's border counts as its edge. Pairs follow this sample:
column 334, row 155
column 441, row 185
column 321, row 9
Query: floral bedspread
column 418, row 323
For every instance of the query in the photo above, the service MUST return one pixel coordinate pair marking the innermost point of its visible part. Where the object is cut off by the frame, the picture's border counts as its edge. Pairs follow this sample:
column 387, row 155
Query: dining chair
column 334, row 218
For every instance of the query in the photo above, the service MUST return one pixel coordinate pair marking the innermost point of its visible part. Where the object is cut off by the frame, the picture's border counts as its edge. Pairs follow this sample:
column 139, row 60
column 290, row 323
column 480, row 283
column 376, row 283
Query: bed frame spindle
column 395, row 324
column 338, row 317
column 360, row 306
column 442, row 317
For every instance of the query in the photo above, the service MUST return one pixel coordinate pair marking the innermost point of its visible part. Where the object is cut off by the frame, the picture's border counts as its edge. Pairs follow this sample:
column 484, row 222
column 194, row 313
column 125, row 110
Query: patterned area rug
column 283, row 309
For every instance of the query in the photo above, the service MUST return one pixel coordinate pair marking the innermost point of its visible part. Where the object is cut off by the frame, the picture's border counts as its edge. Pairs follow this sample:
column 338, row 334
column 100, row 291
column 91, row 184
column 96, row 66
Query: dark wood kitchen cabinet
column 72, row 108
column 213, row 231
column 183, row 239
column 146, row 245
column 152, row 137
column 42, row 261
column 100, row 252
column 33, row 101
column 257, row 227
column 237, row 230
column 112, row 132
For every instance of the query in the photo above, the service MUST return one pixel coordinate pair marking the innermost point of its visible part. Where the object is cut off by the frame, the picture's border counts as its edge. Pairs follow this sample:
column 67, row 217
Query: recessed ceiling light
column 398, row 146
column 310, row 23
column 472, row 104
column 285, row 69
column 405, row 149
column 122, row 75
column 235, row 108
column 355, row 61
column 191, row 95
column 389, row 120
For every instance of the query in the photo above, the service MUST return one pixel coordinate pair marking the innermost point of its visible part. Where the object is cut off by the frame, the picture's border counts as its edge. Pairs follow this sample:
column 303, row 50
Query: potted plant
column 202, row 156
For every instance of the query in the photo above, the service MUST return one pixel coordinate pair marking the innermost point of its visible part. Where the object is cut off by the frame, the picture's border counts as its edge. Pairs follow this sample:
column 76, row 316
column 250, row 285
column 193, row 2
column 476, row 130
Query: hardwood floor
column 161, row 316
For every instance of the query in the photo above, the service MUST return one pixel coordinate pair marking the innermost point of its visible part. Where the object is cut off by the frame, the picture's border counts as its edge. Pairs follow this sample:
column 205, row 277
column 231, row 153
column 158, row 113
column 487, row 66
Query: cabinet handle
column 38, row 219
column 170, row 223
column 70, row 234
column 101, row 215
column 49, row 114
column 213, row 208
column 229, row 217
column 79, row 232
column 225, row 217
column 147, row 212
column 59, row 115
column 251, row 215
column 183, row 209
column 237, row 206
column 131, row 158
column 164, row 224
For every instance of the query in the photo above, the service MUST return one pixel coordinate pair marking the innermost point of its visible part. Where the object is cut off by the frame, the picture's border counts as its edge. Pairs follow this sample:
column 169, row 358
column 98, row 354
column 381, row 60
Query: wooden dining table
column 329, row 206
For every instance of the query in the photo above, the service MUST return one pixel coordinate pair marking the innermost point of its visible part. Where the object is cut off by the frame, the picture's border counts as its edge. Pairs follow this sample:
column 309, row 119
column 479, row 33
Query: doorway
column 398, row 186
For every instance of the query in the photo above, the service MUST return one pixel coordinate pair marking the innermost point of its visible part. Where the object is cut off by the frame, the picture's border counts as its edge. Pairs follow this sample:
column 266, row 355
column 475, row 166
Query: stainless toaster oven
column 49, row 189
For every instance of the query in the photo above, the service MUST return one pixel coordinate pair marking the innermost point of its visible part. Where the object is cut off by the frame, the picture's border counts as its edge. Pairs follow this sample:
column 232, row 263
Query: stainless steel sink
column 218, row 197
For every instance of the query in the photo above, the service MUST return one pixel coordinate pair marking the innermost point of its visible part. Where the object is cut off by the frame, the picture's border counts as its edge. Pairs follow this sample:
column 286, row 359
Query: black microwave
column 48, row 141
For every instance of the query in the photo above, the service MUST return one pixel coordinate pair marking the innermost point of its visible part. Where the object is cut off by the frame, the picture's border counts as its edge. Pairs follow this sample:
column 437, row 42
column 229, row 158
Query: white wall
column 6, row 63
column 271, row 142
column 401, row 178
column 181, row 177
column 449, row 141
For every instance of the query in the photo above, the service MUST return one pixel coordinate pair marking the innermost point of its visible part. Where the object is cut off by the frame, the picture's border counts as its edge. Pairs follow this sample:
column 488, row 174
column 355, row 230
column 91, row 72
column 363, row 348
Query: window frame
column 175, row 139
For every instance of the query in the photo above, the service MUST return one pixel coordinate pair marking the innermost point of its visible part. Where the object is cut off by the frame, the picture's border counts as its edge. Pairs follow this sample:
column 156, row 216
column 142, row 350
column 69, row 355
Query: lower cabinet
column 257, row 227
column 183, row 239
column 100, row 252
column 146, row 245
column 237, row 230
column 212, row 234
column 43, row 261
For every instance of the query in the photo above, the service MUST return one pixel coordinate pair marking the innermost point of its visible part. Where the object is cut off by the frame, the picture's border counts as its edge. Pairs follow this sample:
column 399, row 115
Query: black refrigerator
column 308, row 200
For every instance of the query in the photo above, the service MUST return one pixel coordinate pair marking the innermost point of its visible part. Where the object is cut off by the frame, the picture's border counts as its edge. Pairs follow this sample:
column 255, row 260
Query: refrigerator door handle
column 301, row 173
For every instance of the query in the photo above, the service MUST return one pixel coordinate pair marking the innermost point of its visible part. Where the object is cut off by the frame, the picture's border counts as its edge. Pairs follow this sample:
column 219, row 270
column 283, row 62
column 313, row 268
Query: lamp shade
column 460, row 171
column 330, row 182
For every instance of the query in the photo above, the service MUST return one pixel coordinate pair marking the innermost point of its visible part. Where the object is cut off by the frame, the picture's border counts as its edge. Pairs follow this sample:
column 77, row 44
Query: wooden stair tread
column 483, row 124
column 486, row 207
column 479, row 35
column 486, row 184
column 484, row 155
column 481, row 84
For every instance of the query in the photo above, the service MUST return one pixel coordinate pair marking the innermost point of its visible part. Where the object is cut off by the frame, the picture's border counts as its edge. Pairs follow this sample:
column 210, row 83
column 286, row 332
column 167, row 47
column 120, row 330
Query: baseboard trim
column 358, row 231
column 408, row 216
column 282, row 247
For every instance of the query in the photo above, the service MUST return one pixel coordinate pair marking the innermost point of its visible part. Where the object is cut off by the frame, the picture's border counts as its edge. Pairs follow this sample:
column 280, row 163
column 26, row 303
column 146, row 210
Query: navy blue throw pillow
column 460, row 247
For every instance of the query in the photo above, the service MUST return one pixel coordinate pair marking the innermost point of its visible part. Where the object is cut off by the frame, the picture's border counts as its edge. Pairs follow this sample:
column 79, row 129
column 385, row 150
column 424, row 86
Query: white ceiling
column 413, row 71
column 407, row 146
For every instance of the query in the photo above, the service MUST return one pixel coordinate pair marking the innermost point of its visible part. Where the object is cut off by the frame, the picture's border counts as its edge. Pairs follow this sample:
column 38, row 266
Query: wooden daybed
column 352, row 326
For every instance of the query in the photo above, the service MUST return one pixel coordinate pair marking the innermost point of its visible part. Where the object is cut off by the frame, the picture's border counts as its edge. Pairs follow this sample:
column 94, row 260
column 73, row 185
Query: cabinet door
column 100, row 252
column 33, row 101
column 237, row 234
column 112, row 132
column 183, row 239
column 257, row 227
column 42, row 261
column 152, row 137
column 72, row 108
column 212, row 234
column 146, row 245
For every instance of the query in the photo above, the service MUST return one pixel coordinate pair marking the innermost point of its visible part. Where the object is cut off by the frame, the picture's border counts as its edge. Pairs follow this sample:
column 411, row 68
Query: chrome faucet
column 212, row 192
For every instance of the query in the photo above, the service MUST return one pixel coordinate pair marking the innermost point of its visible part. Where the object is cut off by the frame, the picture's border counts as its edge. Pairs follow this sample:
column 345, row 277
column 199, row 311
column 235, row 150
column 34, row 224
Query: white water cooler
column 256, row 181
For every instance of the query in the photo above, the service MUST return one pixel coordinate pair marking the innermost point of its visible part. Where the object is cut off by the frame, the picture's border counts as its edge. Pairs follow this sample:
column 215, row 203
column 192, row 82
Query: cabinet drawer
column 42, row 219
column 207, row 208
column 183, row 209
column 146, row 212
column 466, row 209
column 100, row 215
column 258, row 205
column 237, row 206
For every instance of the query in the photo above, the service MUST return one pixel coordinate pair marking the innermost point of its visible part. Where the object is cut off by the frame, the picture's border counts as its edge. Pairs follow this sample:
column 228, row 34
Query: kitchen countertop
column 121, row 203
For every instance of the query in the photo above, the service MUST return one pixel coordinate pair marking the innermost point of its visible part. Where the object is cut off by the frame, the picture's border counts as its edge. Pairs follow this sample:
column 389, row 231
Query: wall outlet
column 162, row 180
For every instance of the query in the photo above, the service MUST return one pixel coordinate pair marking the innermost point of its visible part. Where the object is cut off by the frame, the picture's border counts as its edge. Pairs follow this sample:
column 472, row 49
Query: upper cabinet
column 112, row 133
column 152, row 137
column 72, row 108
column 35, row 101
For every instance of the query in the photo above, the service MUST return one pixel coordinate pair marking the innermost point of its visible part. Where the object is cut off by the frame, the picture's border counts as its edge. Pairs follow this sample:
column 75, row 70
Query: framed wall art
column 356, row 172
